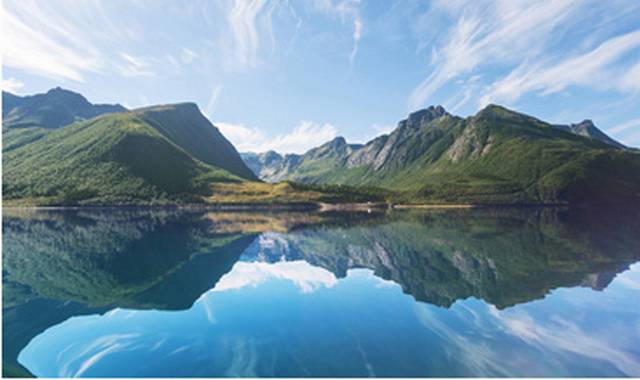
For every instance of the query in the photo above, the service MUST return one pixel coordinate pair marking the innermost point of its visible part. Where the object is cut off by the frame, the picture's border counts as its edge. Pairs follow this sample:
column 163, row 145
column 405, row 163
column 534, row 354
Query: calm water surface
column 433, row 293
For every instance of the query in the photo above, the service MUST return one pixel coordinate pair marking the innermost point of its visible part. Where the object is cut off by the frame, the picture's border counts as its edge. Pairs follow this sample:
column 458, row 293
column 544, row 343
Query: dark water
column 435, row 293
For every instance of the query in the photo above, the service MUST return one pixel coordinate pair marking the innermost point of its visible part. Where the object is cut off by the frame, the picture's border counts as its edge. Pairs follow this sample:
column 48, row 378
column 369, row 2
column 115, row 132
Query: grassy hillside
column 161, row 155
column 496, row 156
column 187, row 127
column 112, row 159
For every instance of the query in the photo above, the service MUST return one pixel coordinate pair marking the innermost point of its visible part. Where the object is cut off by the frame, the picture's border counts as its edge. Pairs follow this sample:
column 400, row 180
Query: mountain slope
column 496, row 156
column 586, row 128
column 186, row 126
column 54, row 109
column 138, row 157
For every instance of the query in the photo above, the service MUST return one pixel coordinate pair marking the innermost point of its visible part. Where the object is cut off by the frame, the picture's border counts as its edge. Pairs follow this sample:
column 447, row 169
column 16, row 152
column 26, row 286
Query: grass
column 289, row 193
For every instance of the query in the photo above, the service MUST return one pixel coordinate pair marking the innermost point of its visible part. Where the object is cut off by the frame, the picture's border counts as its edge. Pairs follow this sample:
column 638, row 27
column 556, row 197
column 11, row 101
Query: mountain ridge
column 144, row 156
column 54, row 109
column 495, row 156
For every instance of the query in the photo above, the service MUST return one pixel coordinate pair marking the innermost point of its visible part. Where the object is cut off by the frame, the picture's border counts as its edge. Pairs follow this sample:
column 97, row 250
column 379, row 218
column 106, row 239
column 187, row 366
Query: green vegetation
column 16, row 137
column 291, row 193
column 172, row 155
column 495, row 157
column 116, row 159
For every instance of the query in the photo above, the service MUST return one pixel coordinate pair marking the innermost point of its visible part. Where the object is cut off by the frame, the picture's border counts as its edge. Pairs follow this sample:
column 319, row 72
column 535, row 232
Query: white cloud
column 242, row 19
column 213, row 101
column 593, row 69
column 346, row 11
column 303, row 137
column 36, row 43
column 357, row 34
column 187, row 55
column 630, row 81
column 624, row 127
column 133, row 66
column 12, row 85
column 504, row 31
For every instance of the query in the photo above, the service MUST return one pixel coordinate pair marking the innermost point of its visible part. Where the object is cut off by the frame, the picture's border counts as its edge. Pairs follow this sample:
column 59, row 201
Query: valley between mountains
column 61, row 150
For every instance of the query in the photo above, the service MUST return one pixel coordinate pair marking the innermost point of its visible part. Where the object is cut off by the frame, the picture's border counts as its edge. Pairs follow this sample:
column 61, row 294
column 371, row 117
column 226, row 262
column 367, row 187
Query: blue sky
column 289, row 75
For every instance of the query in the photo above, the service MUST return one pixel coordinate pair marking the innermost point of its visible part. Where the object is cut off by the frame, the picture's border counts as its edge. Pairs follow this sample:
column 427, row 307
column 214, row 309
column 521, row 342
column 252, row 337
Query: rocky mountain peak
column 586, row 123
column 423, row 116
column 337, row 142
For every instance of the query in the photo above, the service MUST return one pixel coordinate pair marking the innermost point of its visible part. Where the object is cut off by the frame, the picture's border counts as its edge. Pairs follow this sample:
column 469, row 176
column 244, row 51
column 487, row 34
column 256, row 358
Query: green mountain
column 155, row 155
column 54, row 109
column 495, row 156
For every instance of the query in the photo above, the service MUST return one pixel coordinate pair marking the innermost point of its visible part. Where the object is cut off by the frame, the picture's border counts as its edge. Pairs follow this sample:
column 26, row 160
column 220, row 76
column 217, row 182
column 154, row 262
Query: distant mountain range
column 495, row 156
column 59, row 149
column 55, row 109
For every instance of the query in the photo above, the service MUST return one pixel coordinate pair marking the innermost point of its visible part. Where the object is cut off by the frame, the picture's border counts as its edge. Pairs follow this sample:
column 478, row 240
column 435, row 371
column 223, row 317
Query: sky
column 290, row 75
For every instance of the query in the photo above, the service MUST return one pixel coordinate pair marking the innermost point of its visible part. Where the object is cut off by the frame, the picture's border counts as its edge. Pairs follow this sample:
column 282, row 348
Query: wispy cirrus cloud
column 188, row 56
column 497, row 32
column 249, row 34
column 134, row 66
column 243, row 20
column 627, row 132
column 213, row 101
column 38, row 44
column 523, row 47
column 65, row 40
column 594, row 69
column 348, row 11
column 303, row 137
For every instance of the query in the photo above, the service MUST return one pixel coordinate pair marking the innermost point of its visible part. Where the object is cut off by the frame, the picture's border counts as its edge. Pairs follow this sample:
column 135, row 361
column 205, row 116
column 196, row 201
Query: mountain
column 586, row 128
column 495, row 156
column 54, row 109
column 262, row 164
column 154, row 155
column 273, row 167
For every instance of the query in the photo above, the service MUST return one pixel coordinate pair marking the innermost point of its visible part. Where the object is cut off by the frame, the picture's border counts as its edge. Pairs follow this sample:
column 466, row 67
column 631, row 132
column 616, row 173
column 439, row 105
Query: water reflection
column 282, row 294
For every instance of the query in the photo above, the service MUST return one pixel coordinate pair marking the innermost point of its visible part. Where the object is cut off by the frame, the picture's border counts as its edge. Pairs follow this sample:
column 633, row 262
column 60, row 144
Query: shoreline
column 301, row 207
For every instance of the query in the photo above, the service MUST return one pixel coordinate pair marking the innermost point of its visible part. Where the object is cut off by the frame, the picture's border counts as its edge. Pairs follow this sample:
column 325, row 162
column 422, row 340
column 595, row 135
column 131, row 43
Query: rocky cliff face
column 272, row 167
column 495, row 156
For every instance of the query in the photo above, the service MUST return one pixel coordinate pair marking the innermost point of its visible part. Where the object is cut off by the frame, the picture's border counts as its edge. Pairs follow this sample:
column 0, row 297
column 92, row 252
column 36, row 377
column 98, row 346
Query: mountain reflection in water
column 289, row 294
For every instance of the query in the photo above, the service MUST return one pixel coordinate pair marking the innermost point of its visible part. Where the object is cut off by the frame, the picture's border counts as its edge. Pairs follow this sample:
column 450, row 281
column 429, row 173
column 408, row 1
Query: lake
column 162, row 293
